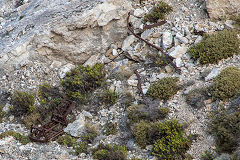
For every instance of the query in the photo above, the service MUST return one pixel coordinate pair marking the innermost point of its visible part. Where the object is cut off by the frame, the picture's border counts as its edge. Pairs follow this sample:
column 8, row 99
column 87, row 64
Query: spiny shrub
column 196, row 97
column 171, row 142
column 136, row 113
column 22, row 139
column 110, row 152
column 23, row 103
column 163, row 88
column 207, row 156
column 227, row 84
column 109, row 97
column 225, row 128
column 2, row 114
column 158, row 12
column 82, row 80
column 215, row 47
column 168, row 138
column 110, row 128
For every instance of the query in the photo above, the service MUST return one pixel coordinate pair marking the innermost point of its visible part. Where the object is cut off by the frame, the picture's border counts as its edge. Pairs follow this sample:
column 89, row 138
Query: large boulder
column 222, row 9
column 62, row 30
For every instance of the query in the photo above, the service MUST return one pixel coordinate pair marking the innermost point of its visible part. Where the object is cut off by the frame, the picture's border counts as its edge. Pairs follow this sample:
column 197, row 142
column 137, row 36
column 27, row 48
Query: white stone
column 64, row 69
column 132, row 82
column 127, row 43
column 199, row 39
column 178, row 51
column 182, row 39
column 214, row 73
column 114, row 52
column 138, row 12
column 166, row 40
column 76, row 128
column 178, row 62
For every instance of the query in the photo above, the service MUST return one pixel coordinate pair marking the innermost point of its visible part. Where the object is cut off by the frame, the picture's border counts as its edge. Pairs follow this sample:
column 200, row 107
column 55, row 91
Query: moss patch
column 2, row 114
column 226, row 84
column 22, row 102
column 110, row 128
column 22, row 139
column 110, row 152
column 164, row 88
column 215, row 47
column 158, row 12
column 82, row 80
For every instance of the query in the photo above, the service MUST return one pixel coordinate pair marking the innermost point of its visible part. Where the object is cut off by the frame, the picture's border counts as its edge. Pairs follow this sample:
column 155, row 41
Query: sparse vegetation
column 2, row 114
column 82, row 80
column 110, row 152
column 164, row 88
column 22, row 102
column 227, row 84
column 110, row 128
column 196, row 97
column 22, row 139
column 238, row 19
column 215, row 47
column 225, row 128
column 158, row 12
column 31, row 119
column 158, row 60
column 168, row 138
column 207, row 156
column 109, row 97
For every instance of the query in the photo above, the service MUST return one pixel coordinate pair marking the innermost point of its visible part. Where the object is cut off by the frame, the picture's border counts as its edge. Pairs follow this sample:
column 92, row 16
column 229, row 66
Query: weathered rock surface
column 70, row 32
column 222, row 9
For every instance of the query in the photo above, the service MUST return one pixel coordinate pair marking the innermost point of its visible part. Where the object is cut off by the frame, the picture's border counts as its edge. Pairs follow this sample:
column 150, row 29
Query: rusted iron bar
column 54, row 128
column 168, row 57
column 153, row 25
column 139, row 85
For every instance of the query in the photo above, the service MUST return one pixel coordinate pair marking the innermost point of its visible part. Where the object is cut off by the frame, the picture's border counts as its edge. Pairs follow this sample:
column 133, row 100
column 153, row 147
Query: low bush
column 225, row 128
column 2, row 114
column 168, row 138
column 136, row 113
column 109, row 97
column 22, row 103
column 215, row 47
column 164, row 88
column 110, row 128
column 158, row 12
column 22, row 139
column 227, row 84
column 31, row 119
column 110, row 152
column 82, row 80
column 207, row 156
column 196, row 97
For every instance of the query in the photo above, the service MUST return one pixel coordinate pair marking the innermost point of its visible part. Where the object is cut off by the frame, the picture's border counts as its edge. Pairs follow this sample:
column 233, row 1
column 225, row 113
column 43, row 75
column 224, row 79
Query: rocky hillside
column 166, row 85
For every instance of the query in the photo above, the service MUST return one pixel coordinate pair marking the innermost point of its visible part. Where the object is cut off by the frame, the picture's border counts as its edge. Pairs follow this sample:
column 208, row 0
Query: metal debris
column 54, row 128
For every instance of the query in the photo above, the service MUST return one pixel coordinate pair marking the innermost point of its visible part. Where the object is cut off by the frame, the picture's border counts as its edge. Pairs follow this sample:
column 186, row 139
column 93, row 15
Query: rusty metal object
column 168, row 57
column 54, row 128
column 153, row 25
column 139, row 85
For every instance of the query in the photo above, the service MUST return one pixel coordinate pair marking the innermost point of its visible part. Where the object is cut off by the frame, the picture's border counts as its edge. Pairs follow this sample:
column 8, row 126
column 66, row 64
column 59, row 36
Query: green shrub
column 158, row 60
column 110, row 128
column 227, row 84
column 168, row 138
column 80, row 147
column 31, row 119
column 22, row 139
column 90, row 135
column 216, row 47
column 163, row 88
column 136, row 113
column 225, row 128
column 238, row 19
column 171, row 141
column 158, row 12
column 196, row 97
column 82, row 80
column 207, row 156
column 109, row 97
column 109, row 152
column 2, row 114
column 23, row 103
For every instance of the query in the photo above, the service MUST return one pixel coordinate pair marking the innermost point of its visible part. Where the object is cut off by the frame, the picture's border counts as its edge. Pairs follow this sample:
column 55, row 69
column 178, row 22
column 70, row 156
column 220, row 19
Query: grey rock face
column 221, row 9
column 67, row 31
